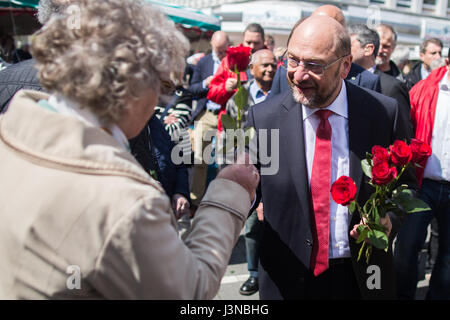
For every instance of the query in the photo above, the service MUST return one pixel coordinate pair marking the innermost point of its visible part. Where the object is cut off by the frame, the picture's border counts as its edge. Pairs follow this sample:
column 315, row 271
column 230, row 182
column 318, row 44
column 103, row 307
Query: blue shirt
column 256, row 93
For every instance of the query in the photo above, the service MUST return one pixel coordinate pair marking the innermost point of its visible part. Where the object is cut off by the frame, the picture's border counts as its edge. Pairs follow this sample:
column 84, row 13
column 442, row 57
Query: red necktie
column 320, row 192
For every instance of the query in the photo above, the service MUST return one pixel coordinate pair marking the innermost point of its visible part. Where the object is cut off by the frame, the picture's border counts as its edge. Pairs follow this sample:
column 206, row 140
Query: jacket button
column 308, row 242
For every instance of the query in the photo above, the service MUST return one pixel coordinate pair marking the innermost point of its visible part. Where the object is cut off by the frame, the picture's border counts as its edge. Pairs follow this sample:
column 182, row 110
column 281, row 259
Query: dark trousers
column 253, row 235
column 410, row 240
column 336, row 283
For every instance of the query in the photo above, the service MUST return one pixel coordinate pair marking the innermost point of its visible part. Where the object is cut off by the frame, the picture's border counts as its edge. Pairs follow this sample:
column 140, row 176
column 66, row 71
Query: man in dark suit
column 206, row 111
column 351, row 120
column 365, row 44
column 357, row 75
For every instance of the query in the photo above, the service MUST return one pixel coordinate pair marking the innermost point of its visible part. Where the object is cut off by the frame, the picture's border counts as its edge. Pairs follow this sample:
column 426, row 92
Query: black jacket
column 152, row 148
column 398, row 90
column 414, row 76
column 22, row 75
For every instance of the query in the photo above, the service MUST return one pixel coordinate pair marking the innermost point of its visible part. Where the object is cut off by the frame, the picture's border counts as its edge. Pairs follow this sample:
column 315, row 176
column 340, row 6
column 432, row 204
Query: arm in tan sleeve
column 145, row 259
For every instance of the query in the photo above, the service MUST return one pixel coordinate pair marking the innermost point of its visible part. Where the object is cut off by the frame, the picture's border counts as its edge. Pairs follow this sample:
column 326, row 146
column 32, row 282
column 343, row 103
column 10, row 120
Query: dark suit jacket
column 357, row 75
column 204, row 69
column 287, row 238
column 22, row 75
column 396, row 89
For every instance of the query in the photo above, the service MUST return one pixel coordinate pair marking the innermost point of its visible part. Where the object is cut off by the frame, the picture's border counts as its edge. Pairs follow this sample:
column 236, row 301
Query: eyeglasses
column 313, row 67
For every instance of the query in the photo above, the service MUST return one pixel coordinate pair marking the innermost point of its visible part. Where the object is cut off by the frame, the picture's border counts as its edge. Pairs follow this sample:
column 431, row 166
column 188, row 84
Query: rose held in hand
column 420, row 151
column 343, row 190
column 238, row 58
column 380, row 154
column 383, row 174
column 400, row 153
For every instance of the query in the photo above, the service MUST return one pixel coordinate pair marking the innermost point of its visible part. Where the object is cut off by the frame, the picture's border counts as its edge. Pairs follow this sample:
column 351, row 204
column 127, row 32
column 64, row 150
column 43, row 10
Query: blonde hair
column 120, row 49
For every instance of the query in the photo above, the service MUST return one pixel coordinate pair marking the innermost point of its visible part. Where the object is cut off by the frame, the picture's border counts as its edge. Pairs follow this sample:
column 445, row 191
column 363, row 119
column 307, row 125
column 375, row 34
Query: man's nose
column 301, row 74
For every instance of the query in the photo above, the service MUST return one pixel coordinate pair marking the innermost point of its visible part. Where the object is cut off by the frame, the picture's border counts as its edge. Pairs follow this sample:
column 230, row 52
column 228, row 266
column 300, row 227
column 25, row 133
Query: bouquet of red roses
column 384, row 167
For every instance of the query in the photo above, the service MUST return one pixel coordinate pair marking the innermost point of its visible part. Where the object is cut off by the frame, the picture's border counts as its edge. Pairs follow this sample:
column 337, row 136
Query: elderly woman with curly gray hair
column 79, row 216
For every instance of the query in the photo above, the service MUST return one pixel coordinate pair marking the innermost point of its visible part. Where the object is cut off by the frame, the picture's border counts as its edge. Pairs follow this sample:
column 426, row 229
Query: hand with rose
column 384, row 167
column 231, row 84
column 386, row 222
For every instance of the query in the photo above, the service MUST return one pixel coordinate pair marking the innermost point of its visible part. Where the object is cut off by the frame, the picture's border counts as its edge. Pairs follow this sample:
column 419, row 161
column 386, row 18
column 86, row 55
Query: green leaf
column 362, row 234
column 368, row 253
column 409, row 204
column 241, row 98
column 228, row 122
column 366, row 168
column 361, row 250
column 352, row 207
column 378, row 239
column 376, row 215
column 250, row 133
column 416, row 205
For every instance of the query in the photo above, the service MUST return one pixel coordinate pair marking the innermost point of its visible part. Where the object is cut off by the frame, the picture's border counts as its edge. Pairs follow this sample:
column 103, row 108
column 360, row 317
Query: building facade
column 414, row 20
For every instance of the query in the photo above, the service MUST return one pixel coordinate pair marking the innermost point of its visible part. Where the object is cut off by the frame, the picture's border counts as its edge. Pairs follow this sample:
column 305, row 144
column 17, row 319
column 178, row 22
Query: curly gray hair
column 122, row 48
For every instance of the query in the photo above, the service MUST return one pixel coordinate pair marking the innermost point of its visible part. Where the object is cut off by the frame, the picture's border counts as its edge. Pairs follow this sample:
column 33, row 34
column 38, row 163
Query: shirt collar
column 423, row 72
column 374, row 67
column 255, row 91
column 338, row 106
column 215, row 57
column 70, row 108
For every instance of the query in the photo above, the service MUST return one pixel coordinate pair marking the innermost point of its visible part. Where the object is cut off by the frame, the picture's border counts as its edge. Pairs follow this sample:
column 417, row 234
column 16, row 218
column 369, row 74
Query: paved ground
column 237, row 273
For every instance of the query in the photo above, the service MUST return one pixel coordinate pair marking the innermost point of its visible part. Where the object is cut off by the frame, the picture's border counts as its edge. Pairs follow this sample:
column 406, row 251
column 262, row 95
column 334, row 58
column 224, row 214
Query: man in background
column 388, row 42
column 430, row 50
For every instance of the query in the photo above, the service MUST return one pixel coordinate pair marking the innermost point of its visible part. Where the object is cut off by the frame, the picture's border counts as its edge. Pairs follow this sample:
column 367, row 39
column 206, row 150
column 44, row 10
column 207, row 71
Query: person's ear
column 368, row 50
column 346, row 65
column 251, row 68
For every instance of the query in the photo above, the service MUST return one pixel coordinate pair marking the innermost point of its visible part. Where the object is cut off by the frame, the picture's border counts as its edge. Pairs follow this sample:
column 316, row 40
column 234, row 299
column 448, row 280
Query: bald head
column 332, row 12
column 263, row 66
column 219, row 43
column 261, row 54
column 323, row 33
column 318, row 58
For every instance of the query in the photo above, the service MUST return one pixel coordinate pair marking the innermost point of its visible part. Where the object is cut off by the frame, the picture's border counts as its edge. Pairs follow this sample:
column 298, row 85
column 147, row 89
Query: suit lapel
column 358, row 133
column 293, row 147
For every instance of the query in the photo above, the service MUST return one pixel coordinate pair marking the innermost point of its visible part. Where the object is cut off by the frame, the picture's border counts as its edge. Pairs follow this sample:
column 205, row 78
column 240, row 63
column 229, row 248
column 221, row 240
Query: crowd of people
column 93, row 128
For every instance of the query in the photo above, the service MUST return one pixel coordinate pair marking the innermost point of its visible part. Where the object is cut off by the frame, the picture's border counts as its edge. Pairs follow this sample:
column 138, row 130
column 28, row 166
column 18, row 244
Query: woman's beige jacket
column 79, row 217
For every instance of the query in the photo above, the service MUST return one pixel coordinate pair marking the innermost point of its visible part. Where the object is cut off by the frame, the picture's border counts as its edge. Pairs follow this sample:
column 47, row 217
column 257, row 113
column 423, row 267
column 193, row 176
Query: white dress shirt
column 339, row 215
column 438, row 164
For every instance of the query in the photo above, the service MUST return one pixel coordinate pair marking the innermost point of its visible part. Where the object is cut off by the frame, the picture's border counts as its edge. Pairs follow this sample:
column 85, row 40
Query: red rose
column 383, row 174
column 400, row 153
column 343, row 190
column 379, row 154
column 239, row 57
column 420, row 151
